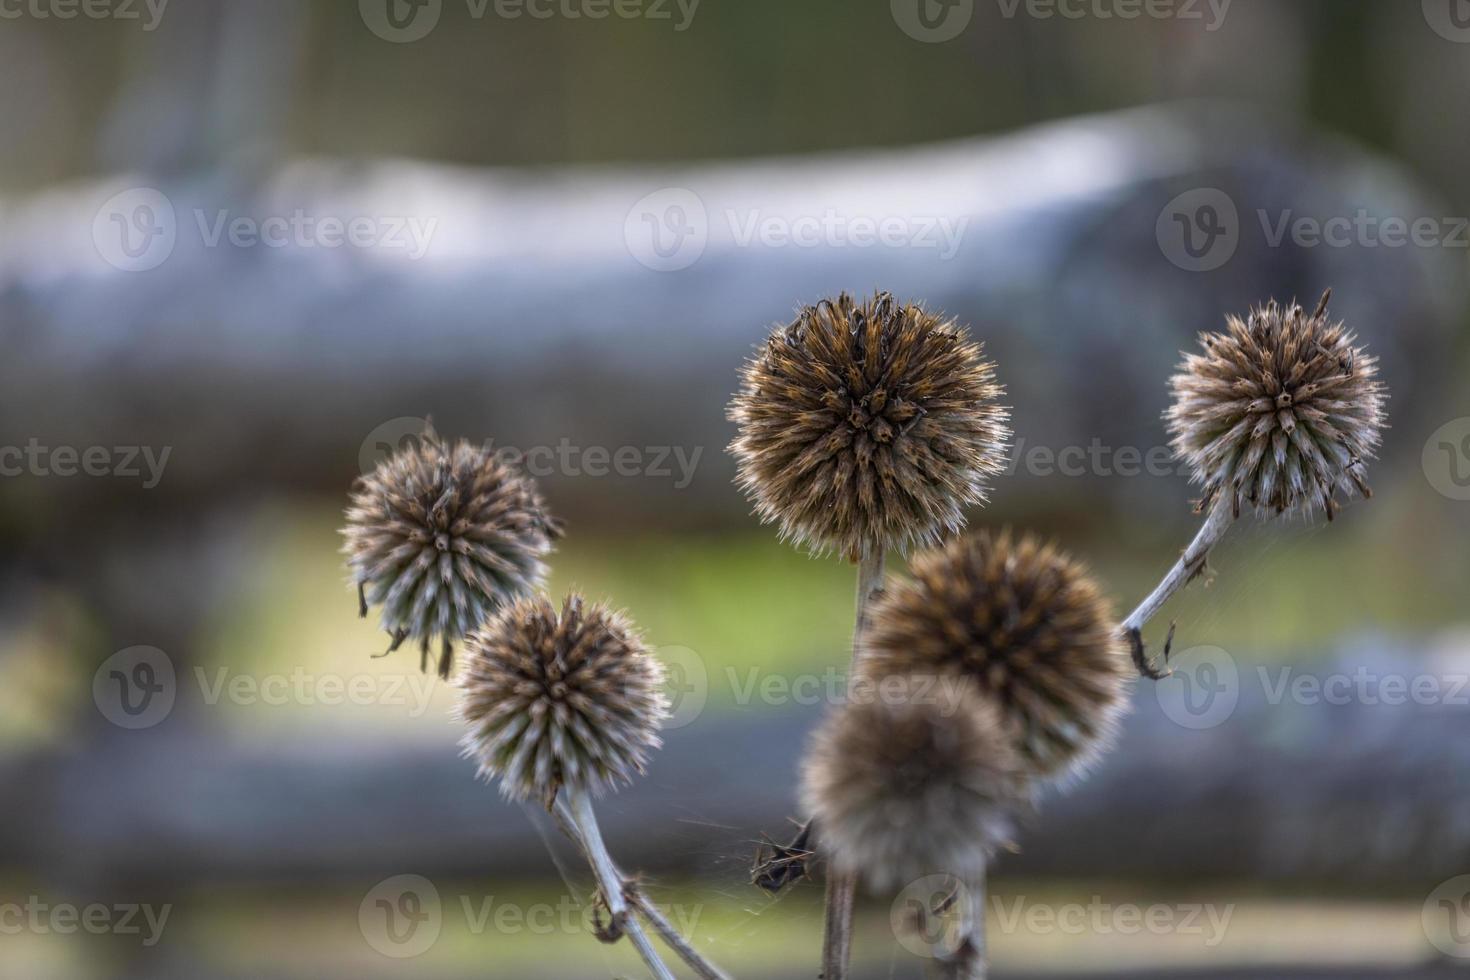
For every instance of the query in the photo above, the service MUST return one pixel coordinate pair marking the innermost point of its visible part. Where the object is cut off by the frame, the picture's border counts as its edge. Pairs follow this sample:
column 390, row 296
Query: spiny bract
column 552, row 700
column 867, row 427
column 1028, row 625
column 441, row 537
column 928, row 783
column 1280, row 410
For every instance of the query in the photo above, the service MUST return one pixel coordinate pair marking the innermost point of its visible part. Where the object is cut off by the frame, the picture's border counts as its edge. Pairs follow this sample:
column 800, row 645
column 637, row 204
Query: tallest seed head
column 1281, row 411
column 867, row 426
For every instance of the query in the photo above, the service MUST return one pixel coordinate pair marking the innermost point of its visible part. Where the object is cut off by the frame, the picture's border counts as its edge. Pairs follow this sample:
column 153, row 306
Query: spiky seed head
column 441, row 537
column 1028, row 625
column 560, row 699
column 903, row 787
column 867, row 425
column 1280, row 410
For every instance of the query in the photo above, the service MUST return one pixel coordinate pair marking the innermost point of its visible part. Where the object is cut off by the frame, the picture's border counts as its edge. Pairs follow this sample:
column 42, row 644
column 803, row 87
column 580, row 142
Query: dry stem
column 1185, row 570
column 842, row 888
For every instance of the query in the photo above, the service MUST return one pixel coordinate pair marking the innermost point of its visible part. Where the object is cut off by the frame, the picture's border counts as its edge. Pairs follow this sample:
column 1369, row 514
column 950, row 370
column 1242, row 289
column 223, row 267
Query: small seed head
column 441, row 537
column 867, row 426
column 551, row 700
column 901, row 788
column 1281, row 411
column 1027, row 625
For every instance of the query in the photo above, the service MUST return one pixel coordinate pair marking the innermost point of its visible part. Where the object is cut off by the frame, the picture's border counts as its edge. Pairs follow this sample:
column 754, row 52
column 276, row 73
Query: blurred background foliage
column 233, row 567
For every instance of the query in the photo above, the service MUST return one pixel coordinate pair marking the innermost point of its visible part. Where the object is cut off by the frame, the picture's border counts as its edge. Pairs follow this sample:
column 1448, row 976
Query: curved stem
column 672, row 939
column 574, row 809
column 1184, row 571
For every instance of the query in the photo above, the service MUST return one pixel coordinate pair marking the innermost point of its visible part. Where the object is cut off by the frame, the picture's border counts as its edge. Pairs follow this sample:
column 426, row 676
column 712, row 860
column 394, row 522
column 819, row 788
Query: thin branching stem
column 970, row 959
column 671, row 937
column 1185, row 570
column 842, row 888
column 574, row 809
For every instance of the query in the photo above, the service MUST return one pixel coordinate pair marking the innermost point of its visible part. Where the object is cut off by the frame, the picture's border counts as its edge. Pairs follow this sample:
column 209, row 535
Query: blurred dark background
column 246, row 248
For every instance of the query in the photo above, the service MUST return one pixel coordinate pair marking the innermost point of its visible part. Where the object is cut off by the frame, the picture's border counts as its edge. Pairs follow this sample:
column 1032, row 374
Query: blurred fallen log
column 1371, row 798
column 537, row 310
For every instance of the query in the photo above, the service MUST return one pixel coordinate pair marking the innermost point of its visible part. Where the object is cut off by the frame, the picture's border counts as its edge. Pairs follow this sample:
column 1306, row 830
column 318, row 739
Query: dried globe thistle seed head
column 1031, row 628
column 440, row 537
column 900, row 788
column 552, row 700
column 1281, row 410
column 867, row 426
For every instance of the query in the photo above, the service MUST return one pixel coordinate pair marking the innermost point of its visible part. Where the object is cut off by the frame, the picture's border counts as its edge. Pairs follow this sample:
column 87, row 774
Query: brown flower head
column 1028, row 625
column 1281, row 410
column 917, row 785
column 441, row 536
column 551, row 700
column 867, row 426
